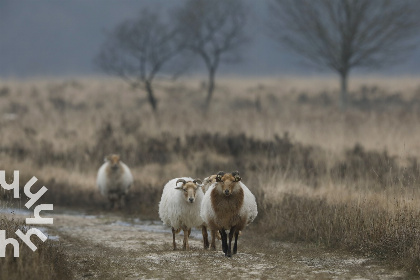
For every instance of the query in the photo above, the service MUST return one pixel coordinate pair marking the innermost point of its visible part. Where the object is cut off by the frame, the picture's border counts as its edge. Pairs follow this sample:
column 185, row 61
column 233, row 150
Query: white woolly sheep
column 114, row 180
column 207, row 182
column 180, row 206
column 228, row 205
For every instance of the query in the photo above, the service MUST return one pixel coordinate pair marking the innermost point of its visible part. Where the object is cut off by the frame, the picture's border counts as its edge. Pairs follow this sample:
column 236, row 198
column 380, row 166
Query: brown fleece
column 227, row 208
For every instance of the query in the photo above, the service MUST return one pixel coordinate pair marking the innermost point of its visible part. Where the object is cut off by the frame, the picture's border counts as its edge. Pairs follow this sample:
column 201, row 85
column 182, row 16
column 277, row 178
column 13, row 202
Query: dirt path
column 111, row 247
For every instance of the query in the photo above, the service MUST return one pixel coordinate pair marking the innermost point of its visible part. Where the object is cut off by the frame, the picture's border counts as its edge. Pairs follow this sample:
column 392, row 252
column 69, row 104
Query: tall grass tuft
column 47, row 262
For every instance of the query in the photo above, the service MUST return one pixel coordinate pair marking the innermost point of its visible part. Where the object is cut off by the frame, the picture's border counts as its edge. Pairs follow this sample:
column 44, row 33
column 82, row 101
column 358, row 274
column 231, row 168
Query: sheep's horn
column 235, row 175
column 197, row 181
column 219, row 176
column 180, row 180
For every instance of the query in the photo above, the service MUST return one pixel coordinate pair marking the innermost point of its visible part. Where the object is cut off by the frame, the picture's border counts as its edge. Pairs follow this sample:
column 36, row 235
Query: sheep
column 179, row 208
column 207, row 182
column 228, row 205
column 114, row 180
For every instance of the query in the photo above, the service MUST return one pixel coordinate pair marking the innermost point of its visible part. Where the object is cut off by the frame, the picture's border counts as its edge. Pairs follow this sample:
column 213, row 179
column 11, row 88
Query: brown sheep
column 228, row 205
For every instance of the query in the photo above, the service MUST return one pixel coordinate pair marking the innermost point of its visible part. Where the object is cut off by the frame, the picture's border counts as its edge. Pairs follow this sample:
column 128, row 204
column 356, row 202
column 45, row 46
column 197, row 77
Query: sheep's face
column 114, row 161
column 189, row 189
column 226, row 182
column 208, row 181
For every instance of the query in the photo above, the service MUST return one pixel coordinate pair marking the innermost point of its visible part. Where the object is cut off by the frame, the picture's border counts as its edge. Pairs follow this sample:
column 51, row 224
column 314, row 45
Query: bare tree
column 213, row 30
column 137, row 49
column 344, row 34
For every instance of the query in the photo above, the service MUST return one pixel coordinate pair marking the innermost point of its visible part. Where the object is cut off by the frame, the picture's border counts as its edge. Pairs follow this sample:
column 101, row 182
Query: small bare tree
column 137, row 49
column 344, row 34
column 213, row 30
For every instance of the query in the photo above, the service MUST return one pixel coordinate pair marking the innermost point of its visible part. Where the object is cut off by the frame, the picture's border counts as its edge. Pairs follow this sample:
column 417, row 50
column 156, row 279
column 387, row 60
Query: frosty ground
column 109, row 246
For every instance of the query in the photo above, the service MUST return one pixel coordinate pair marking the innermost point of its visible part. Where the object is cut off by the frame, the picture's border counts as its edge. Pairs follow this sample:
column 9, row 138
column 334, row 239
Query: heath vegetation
column 47, row 262
column 347, row 180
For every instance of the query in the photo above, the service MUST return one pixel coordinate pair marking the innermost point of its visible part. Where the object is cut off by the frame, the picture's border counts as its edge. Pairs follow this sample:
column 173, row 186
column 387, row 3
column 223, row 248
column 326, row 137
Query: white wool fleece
column 108, row 183
column 249, row 207
column 175, row 211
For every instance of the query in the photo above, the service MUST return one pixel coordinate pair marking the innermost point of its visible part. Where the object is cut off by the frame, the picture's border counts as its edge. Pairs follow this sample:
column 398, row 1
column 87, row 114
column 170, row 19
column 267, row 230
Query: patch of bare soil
column 108, row 246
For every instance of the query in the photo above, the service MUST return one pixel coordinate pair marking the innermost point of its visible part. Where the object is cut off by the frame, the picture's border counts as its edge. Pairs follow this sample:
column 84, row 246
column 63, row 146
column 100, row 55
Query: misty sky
column 61, row 38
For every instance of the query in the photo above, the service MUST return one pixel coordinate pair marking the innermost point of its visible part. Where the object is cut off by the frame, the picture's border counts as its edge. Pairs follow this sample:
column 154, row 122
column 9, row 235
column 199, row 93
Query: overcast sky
column 61, row 38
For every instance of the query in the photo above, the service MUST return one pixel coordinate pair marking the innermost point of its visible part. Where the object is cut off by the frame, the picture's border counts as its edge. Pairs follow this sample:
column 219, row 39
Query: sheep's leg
column 114, row 203
column 235, row 246
column 110, row 205
column 173, row 238
column 205, row 237
column 213, row 239
column 189, row 232
column 224, row 240
column 229, row 247
column 186, row 234
column 122, row 201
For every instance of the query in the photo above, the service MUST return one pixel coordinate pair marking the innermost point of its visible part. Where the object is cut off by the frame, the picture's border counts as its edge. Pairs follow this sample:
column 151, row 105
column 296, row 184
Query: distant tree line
column 338, row 35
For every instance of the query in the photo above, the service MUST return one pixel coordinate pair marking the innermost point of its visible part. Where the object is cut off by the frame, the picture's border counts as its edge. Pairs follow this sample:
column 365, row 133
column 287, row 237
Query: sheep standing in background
column 207, row 182
column 114, row 180
column 228, row 205
column 180, row 206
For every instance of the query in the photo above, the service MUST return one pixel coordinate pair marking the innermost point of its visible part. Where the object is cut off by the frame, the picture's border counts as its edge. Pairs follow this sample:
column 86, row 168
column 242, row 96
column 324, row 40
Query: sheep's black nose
column 191, row 199
column 226, row 192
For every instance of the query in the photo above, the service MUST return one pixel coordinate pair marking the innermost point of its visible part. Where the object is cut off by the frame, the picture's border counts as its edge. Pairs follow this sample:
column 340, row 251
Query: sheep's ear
column 237, row 178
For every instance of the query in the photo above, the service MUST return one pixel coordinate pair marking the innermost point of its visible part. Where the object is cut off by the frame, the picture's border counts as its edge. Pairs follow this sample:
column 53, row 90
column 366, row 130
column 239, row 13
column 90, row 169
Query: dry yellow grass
column 87, row 102
column 47, row 262
column 64, row 115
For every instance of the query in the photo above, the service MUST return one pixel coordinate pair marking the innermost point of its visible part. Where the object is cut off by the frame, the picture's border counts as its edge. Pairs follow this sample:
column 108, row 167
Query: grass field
column 47, row 262
column 347, row 180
